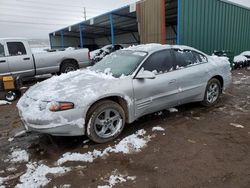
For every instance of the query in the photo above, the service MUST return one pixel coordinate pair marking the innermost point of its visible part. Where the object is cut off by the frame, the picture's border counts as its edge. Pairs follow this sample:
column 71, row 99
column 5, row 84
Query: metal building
column 207, row 25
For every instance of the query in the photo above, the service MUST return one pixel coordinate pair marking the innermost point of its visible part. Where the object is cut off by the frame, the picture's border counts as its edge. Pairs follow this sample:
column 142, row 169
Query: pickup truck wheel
column 68, row 67
column 212, row 93
column 106, row 121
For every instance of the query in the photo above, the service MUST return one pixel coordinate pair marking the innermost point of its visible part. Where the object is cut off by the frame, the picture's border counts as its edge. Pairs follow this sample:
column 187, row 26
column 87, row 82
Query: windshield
column 122, row 62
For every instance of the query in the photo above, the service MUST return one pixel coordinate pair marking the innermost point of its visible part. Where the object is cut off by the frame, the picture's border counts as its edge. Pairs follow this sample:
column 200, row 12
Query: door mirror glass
column 144, row 74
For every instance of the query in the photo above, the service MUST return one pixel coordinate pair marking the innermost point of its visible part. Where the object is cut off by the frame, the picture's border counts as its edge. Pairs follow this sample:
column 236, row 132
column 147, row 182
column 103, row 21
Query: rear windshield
column 122, row 62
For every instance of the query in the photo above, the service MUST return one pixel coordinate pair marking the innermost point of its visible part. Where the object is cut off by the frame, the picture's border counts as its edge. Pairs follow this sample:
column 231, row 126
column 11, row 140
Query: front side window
column 16, row 48
column 159, row 62
column 2, row 54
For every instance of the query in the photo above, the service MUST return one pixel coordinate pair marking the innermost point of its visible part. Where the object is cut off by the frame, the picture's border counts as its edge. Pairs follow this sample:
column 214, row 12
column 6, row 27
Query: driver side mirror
column 145, row 75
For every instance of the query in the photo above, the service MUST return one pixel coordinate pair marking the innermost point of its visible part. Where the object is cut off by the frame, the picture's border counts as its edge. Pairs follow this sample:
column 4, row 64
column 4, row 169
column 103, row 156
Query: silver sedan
column 121, row 88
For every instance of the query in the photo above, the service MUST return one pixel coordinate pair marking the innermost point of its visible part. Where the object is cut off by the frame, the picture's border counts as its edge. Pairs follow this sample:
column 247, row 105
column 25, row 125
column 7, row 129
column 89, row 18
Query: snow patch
column 18, row 156
column 35, row 175
column 172, row 110
column 158, row 128
column 117, row 178
column 130, row 144
column 237, row 125
column 3, row 102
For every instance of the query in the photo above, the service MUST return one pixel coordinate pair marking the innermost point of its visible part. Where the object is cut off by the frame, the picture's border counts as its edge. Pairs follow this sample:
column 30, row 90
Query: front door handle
column 3, row 61
column 172, row 81
column 26, row 59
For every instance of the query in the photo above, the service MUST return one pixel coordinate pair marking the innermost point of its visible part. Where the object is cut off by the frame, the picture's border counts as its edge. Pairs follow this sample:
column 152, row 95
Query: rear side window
column 2, row 54
column 16, row 48
column 159, row 62
column 184, row 58
column 199, row 57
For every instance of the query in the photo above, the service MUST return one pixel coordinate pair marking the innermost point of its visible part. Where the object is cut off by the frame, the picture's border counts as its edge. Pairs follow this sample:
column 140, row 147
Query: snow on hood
column 78, row 85
column 240, row 59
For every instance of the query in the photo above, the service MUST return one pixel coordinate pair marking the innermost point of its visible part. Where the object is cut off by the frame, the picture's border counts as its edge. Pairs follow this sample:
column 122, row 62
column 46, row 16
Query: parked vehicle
column 17, row 59
column 99, row 54
column 242, row 60
column 145, row 79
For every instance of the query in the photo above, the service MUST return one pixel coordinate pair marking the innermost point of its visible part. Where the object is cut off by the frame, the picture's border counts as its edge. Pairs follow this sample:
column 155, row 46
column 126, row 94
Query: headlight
column 60, row 106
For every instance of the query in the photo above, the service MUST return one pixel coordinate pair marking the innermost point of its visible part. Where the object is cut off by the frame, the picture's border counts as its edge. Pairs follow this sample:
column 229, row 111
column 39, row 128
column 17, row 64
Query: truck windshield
column 1, row 50
column 122, row 62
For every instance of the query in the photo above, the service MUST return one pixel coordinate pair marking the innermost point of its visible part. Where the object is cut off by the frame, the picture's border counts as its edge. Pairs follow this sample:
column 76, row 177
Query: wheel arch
column 118, row 99
column 221, row 80
column 69, row 60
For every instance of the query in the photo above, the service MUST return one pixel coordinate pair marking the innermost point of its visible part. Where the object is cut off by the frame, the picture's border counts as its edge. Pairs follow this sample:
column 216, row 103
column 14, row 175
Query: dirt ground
column 200, row 147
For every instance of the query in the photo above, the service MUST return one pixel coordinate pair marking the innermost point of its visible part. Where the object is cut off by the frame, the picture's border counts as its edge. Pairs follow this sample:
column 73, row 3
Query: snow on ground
column 172, row 110
column 243, row 80
column 158, row 128
column 237, row 125
column 18, row 156
column 35, row 175
column 2, row 180
column 116, row 178
column 3, row 102
column 240, row 59
column 130, row 144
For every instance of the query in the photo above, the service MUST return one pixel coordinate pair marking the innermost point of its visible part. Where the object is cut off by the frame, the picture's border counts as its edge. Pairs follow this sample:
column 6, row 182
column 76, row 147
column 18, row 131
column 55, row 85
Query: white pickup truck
column 17, row 59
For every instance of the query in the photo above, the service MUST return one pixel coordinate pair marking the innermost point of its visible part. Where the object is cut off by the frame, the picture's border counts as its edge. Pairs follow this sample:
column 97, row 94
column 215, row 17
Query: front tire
column 106, row 121
column 212, row 93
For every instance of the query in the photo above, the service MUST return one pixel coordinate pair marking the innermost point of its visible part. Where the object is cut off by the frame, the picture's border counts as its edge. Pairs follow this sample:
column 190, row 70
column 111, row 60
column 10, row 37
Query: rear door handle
column 172, row 81
column 26, row 59
column 3, row 61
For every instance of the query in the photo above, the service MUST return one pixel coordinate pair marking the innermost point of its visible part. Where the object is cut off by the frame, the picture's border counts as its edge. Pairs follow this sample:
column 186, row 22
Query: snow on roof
column 147, row 47
column 241, row 3
column 246, row 53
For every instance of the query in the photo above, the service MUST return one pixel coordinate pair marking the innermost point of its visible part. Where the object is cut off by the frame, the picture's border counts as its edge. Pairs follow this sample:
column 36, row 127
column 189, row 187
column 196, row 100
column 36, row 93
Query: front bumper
column 41, row 120
column 58, row 130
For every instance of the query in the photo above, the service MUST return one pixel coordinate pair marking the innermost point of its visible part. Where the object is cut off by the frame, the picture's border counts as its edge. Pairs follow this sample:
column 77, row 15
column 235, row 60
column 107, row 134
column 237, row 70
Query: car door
column 192, row 67
column 4, row 68
column 20, row 62
column 152, row 95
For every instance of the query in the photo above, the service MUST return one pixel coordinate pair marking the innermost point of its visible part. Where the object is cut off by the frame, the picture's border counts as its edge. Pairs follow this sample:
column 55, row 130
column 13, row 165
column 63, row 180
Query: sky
column 34, row 19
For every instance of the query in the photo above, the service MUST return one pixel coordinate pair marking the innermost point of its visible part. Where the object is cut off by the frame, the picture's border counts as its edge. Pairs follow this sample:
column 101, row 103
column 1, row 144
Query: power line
column 67, row 5
column 54, row 9
column 35, row 23
column 42, row 18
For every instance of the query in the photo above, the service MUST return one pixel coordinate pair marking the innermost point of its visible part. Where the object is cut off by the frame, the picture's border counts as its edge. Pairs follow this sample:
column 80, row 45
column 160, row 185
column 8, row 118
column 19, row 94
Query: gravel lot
column 199, row 147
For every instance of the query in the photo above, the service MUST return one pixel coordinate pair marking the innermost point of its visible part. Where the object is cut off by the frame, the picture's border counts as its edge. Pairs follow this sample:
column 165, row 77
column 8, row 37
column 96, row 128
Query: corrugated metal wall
column 151, row 21
column 214, row 25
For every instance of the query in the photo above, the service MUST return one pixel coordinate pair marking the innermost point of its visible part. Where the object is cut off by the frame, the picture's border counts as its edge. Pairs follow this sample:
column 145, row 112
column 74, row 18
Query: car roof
column 154, row 47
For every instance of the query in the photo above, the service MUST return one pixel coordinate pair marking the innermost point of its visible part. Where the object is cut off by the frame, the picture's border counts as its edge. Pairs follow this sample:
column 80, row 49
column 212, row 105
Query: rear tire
column 68, row 67
column 105, row 121
column 212, row 93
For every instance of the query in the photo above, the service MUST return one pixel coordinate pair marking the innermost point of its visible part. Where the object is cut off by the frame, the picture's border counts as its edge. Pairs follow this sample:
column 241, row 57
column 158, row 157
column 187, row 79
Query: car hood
column 79, row 86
